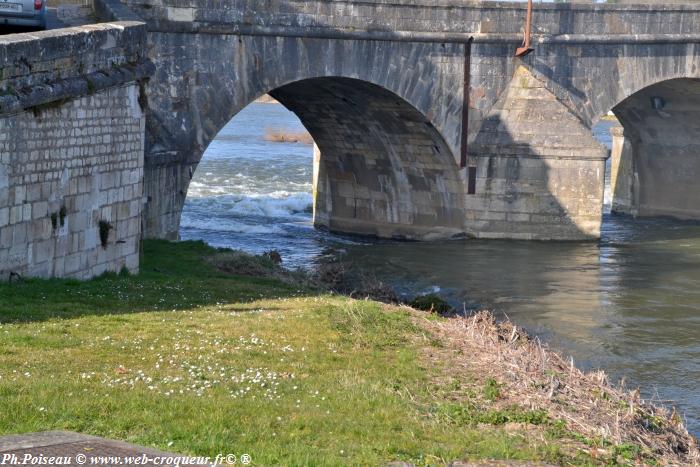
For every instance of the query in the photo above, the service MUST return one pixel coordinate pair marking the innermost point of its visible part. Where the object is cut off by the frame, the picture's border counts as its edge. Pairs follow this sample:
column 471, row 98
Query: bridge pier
column 320, row 218
column 165, row 183
column 540, row 172
column 622, row 173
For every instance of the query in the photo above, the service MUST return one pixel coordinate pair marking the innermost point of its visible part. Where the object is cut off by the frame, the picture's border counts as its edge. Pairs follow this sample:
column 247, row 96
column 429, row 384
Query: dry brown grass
column 279, row 136
column 266, row 99
column 531, row 375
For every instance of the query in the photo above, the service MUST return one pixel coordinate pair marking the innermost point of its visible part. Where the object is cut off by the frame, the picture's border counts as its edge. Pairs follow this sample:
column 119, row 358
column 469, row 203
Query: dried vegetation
column 502, row 377
column 611, row 422
column 280, row 136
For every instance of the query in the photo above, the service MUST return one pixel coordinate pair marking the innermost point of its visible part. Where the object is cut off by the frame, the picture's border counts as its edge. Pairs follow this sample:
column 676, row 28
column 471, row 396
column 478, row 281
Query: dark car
column 24, row 13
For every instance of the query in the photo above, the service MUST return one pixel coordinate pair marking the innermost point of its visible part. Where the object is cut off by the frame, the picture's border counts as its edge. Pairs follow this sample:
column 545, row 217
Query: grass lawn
column 185, row 358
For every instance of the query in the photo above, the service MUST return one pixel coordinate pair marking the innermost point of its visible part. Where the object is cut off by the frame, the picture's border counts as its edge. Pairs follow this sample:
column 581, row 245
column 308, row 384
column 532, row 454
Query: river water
column 629, row 304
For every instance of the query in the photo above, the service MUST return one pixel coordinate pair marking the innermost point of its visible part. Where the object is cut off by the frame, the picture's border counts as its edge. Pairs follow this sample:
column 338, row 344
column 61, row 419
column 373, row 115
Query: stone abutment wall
column 71, row 151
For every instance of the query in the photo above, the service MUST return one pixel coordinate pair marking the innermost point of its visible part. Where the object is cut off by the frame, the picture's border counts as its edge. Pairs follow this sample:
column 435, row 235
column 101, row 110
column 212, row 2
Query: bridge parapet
column 488, row 20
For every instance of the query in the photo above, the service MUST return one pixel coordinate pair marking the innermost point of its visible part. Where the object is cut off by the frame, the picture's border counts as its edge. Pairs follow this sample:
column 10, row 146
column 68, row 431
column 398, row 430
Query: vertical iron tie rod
column 526, row 49
column 465, row 101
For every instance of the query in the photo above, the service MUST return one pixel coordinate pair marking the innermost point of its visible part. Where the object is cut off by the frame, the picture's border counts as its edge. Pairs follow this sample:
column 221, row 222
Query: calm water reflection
column 629, row 304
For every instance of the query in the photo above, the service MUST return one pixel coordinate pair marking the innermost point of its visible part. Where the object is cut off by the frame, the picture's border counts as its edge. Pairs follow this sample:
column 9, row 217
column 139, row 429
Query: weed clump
column 244, row 264
column 104, row 227
column 492, row 390
column 431, row 303
column 62, row 213
column 334, row 275
column 274, row 256
column 266, row 265
column 471, row 415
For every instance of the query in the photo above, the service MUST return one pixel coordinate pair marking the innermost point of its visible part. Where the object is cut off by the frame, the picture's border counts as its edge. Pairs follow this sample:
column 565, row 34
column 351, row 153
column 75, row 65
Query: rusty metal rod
column 526, row 49
column 465, row 102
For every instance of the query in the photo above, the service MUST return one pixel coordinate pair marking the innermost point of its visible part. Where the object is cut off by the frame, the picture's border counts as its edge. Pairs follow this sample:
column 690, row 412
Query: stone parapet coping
column 58, row 90
column 39, row 68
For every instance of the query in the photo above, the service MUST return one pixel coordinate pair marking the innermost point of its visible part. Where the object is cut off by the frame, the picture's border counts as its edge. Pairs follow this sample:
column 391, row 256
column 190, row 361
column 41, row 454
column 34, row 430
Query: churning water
column 255, row 195
column 629, row 304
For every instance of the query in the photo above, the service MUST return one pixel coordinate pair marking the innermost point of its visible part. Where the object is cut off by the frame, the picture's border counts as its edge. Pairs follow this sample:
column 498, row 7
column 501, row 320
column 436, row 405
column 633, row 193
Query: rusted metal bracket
column 465, row 101
column 526, row 49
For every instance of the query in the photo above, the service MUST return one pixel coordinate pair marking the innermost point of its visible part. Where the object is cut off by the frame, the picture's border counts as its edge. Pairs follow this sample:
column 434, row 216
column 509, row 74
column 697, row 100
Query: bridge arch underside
column 383, row 169
column 656, row 153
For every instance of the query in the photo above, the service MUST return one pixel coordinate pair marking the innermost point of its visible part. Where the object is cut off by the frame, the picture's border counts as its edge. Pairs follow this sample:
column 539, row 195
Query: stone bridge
column 380, row 86
column 427, row 125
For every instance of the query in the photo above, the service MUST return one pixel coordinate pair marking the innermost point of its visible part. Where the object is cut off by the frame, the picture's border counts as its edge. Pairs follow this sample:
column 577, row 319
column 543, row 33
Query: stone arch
column 384, row 169
column 631, row 82
column 215, row 76
column 590, row 80
column 656, row 152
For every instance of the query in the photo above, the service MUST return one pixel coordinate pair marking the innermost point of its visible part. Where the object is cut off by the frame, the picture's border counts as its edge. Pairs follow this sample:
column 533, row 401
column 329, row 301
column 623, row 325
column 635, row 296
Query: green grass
column 492, row 390
column 185, row 358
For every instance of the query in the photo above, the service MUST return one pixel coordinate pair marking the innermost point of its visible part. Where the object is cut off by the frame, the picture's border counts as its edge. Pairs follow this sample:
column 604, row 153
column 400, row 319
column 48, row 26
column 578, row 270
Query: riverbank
column 189, row 357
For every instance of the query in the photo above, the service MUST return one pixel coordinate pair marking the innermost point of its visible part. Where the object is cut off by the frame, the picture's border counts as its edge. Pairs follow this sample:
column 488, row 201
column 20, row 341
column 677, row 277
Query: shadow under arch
column 384, row 169
column 656, row 153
